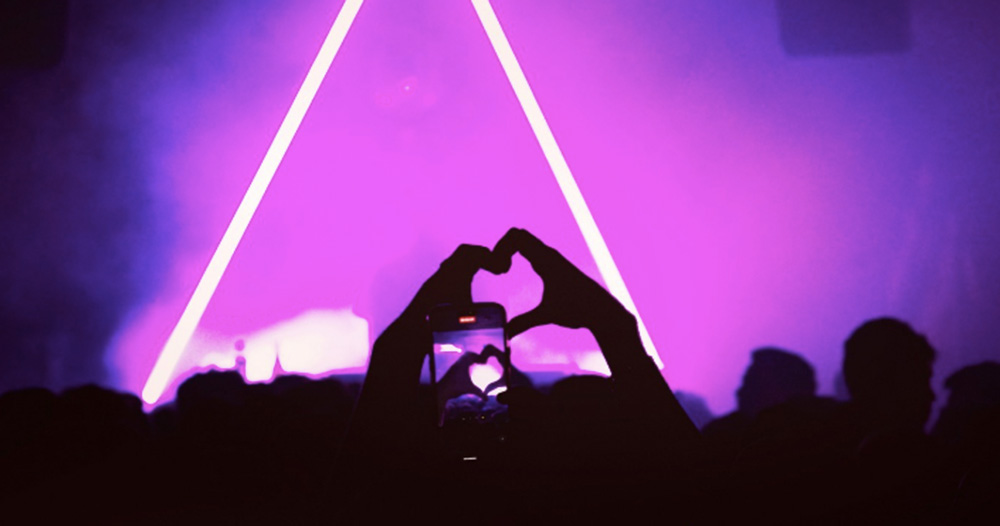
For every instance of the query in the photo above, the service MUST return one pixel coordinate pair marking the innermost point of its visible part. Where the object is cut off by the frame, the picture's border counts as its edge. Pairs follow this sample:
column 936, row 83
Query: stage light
column 574, row 198
column 163, row 370
column 195, row 309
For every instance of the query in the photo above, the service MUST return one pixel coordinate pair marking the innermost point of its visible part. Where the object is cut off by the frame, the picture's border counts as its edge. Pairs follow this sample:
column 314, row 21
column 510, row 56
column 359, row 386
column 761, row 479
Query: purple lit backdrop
column 748, row 198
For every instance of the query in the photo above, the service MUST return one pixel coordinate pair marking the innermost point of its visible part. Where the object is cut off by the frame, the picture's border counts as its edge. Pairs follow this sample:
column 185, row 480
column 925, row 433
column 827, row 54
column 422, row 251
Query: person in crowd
column 586, row 449
column 553, row 466
column 774, row 376
column 887, row 369
column 969, row 425
column 816, row 459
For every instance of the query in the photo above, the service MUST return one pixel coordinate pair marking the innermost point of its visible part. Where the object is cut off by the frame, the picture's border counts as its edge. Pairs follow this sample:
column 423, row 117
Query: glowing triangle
column 185, row 328
column 574, row 198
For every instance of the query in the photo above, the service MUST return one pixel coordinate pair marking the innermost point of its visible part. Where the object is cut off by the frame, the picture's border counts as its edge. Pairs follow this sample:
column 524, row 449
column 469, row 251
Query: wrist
column 400, row 350
column 613, row 325
column 620, row 343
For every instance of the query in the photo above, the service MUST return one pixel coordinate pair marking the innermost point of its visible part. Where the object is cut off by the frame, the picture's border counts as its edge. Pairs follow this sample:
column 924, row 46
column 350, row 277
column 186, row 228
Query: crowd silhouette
column 586, row 449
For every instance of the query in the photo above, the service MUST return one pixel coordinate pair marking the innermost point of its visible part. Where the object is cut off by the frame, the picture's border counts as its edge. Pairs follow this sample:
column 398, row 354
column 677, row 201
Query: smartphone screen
column 470, row 360
column 486, row 373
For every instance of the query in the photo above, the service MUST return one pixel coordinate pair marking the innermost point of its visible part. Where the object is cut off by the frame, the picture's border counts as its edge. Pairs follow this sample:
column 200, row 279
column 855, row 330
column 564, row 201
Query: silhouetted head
column 100, row 420
column 887, row 369
column 774, row 376
column 206, row 395
column 973, row 399
column 25, row 414
column 975, row 386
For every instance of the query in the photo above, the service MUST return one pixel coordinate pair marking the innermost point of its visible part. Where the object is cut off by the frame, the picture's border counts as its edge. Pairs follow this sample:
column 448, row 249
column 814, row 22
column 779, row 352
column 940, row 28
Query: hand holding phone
column 470, row 361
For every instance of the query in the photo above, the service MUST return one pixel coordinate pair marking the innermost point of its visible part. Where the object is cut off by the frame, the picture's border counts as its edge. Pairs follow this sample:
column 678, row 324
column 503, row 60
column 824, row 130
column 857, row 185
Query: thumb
column 523, row 322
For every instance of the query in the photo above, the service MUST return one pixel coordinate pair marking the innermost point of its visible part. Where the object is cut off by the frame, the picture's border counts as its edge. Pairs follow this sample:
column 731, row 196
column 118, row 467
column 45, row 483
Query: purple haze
column 749, row 199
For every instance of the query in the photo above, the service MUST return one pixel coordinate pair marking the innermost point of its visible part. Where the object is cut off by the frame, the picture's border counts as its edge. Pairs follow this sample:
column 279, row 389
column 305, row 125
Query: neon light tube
column 574, row 198
column 195, row 309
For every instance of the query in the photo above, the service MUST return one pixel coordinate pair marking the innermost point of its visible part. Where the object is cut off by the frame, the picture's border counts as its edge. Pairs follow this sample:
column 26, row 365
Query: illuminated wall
column 748, row 198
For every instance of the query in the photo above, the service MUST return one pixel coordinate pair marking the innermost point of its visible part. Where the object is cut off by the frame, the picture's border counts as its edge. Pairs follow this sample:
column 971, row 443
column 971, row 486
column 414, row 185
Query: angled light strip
column 181, row 335
column 584, row 219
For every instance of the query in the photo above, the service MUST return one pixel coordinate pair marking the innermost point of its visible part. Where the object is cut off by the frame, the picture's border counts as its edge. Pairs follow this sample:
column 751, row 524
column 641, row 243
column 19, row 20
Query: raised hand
column 452, row 283
column 393, row 377
column 569, row 299
column 390, row 431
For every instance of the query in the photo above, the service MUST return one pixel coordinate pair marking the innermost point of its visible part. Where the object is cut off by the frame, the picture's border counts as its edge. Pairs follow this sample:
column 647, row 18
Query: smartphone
column 470, row 362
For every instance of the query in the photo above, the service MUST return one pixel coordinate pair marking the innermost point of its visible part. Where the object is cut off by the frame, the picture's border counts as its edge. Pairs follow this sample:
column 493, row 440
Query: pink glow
column 567, row 184
column 187, row 324
column 745, row 196
column 482, row 375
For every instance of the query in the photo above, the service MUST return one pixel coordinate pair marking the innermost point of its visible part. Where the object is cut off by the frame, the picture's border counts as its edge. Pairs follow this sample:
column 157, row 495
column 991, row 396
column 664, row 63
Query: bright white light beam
column 195, row 309
column 574, row 198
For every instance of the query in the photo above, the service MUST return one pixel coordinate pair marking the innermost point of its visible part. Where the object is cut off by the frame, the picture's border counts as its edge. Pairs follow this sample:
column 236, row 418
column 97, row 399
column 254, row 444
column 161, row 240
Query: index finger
column 491, row 351
column 467, row 259
column 452, row 282
column 520, row 241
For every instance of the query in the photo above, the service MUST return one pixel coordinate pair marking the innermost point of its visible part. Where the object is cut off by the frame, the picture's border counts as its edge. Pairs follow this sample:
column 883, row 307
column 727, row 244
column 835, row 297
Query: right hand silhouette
column 570, row 298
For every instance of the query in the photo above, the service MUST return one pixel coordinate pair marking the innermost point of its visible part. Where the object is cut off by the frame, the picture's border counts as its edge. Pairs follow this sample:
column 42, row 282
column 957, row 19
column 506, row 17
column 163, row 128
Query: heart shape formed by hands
column 570, row 298
column 485, row 374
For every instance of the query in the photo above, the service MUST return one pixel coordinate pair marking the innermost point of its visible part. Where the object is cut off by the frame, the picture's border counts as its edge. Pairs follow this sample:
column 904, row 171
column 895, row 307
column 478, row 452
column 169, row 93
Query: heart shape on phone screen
column 485, row 374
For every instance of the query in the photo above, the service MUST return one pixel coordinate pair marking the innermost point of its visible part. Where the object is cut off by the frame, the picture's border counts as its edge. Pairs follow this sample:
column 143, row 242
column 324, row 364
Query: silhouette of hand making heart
column 569, row 299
